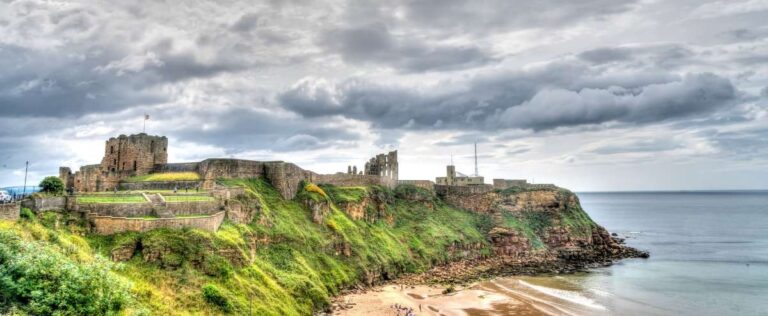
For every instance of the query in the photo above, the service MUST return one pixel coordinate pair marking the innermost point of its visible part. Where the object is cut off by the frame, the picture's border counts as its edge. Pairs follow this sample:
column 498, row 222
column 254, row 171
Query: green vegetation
column 38, row 278
column 188, row 198
column 282, row 263
column 52, row 185
column 106, row 198
column 166, row 176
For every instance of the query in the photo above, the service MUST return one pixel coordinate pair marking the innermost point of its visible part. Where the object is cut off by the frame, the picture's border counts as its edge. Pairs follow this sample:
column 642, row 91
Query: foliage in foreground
column 38, row 279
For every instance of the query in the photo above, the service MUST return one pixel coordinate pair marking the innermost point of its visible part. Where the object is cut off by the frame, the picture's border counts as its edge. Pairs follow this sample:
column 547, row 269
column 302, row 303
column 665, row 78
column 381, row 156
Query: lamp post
column 24, row 190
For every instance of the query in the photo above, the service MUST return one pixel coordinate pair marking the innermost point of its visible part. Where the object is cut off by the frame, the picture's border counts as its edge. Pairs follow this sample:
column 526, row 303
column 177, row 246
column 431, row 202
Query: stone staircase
column 159, row 206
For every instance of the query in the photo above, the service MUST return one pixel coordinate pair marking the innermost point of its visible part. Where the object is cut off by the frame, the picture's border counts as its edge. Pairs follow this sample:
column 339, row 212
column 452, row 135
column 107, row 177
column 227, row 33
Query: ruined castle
column 129, row 162
column 126, row 157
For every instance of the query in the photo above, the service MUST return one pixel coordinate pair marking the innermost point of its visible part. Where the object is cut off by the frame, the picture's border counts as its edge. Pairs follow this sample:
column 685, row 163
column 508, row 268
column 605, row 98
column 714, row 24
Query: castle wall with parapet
column 354, row 180
column 106, row 225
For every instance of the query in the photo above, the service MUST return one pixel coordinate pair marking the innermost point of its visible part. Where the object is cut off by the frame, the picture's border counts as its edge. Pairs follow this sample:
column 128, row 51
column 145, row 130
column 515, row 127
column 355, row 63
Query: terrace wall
column 161, row 185
column 105, row 225
column 48, row 203
column 9, row 211
column 118, row 209
column 193, row 208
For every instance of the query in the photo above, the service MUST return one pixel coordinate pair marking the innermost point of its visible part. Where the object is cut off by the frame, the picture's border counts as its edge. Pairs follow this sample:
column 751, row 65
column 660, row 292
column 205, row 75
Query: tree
column 52, row 185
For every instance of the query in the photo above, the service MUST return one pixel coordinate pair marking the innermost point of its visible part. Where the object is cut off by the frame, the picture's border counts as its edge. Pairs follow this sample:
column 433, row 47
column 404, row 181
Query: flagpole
column 144, row 129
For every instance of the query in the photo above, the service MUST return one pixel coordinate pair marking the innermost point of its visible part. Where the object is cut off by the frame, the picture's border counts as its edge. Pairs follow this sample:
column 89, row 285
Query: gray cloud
column 637, row 146
column 240, row 129
column 558, row 95
column 451, row 16
column 374, row 43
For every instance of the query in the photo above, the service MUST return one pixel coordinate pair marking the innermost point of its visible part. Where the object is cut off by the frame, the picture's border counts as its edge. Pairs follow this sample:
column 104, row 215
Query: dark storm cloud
column 661, row 56
column 558, row 95
column 374, row 44
column 241, row 129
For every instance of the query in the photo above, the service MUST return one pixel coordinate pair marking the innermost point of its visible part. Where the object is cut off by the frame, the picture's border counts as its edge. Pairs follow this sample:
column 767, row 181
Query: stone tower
column 135, row 154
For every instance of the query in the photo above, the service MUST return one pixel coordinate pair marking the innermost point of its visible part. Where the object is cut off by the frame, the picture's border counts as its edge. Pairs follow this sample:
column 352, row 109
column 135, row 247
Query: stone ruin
column 384, row 165
column 124, row 157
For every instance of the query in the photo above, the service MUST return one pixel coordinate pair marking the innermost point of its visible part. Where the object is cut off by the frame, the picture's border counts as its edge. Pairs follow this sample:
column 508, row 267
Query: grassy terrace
column 104, row 198
column 188, row 198
column 167, row 176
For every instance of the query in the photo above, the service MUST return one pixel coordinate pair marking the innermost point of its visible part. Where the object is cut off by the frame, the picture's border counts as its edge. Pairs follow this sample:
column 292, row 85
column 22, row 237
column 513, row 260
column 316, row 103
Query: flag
column 146, row 116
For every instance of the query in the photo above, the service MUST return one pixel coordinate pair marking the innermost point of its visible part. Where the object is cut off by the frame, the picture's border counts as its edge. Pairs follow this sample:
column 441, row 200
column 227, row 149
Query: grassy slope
column 294, row 268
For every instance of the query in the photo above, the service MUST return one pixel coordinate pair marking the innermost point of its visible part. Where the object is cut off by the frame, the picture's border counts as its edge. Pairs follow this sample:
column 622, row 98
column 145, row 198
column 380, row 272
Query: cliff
column 294, row 255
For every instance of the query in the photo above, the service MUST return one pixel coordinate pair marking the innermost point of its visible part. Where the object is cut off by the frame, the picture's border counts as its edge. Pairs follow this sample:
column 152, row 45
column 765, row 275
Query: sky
column 595, row 95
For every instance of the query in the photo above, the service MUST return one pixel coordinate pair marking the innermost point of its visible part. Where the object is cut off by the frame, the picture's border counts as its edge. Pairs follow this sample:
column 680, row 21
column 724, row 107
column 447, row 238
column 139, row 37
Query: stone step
column 163, row 212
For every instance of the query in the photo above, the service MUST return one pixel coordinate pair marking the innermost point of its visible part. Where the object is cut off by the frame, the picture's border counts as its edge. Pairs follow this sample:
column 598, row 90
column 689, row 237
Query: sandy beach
column 474, row 300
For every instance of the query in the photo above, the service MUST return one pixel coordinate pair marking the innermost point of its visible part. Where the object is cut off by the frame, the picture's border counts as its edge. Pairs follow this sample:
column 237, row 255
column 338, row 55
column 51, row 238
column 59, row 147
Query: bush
column 38, row 280
column 213, row 295
column 52, row 185
column 27, row 214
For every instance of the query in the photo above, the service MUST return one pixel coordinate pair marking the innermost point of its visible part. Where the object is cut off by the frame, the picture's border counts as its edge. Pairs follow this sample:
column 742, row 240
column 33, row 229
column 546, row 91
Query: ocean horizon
column 708, row 256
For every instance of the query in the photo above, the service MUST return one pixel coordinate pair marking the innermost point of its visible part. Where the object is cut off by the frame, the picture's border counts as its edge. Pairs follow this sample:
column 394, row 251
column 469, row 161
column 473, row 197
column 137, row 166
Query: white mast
column 476, row 172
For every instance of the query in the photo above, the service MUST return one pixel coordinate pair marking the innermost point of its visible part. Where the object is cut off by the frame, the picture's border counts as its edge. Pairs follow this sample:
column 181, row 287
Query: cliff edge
column 278, row 256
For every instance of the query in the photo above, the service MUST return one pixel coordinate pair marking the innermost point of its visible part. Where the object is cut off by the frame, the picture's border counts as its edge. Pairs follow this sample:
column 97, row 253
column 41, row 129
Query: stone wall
column 352, row 180
column 9, row 211
column 424, row 184
column 176, row 167
column 41, row 204
column 118, row 209
column 193, row 208
column 135, row 154
column 286, row 177
column 161, row 185
column 105, row 225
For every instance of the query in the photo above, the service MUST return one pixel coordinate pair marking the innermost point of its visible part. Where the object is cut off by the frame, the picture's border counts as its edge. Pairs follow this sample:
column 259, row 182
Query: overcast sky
column 589, row 95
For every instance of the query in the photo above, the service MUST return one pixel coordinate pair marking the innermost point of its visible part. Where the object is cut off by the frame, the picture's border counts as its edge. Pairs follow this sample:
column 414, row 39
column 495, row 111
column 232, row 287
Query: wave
column 569, row 296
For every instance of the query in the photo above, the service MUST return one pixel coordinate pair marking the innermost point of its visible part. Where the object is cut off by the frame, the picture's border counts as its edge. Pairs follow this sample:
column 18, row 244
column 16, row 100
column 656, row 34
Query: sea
column 709, row 256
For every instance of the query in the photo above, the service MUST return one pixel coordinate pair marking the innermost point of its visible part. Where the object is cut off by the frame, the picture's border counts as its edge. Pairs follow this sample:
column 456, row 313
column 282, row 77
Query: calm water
column 709, row 256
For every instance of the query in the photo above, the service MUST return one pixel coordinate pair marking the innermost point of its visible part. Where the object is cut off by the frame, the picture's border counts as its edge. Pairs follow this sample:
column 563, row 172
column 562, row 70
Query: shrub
column 52, row 185
column 39, row 280
column 213, row 295
column 27, row 214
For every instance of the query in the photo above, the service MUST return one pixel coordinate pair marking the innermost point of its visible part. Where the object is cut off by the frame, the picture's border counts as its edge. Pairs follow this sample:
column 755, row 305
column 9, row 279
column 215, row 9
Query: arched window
column 134, row 165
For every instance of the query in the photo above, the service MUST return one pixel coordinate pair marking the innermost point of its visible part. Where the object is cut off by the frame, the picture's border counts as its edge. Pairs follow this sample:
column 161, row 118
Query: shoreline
column 476, row 292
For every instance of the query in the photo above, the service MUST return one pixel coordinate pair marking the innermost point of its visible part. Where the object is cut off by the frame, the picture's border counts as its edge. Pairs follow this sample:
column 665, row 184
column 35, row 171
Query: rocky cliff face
column 546, row 227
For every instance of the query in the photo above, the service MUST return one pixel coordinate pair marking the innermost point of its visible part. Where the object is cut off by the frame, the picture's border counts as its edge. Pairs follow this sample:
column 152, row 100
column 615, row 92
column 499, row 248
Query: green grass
column 166, row 176
column 188, row 198
column 105, row 198
column 283, row 263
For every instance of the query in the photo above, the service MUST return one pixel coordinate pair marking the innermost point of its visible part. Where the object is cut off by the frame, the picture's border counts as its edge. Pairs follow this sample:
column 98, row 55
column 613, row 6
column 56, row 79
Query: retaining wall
column 118, row 209
column 193, row 208
column 9, row 211
column 106, row 225
column 160, row 185
column 476, row 198
column 41, row 204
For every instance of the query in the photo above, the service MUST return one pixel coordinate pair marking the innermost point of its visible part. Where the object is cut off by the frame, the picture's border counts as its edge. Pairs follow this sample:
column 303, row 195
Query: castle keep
column 124, row 157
